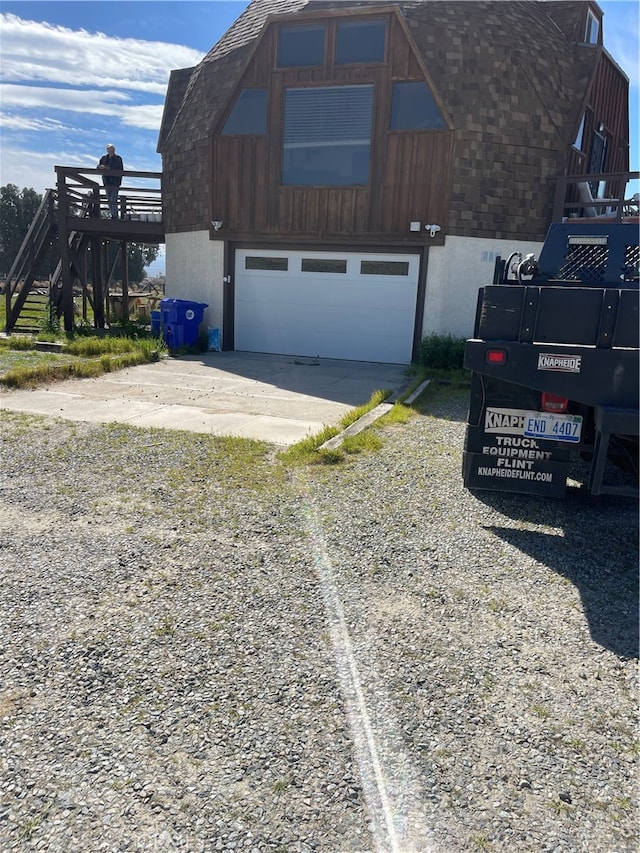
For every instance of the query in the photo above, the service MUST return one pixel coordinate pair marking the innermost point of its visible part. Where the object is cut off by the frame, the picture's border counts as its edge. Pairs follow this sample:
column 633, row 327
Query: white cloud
column 34, row 52
column 31, row 168
column 24, row 123
column 113, row 104
column 28, row 168
column 146, row 117
column 73, row 100
column 68, row 91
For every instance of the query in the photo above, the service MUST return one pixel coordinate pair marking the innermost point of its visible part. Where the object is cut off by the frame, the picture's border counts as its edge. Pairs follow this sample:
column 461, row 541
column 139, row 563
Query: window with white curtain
column 327, row 135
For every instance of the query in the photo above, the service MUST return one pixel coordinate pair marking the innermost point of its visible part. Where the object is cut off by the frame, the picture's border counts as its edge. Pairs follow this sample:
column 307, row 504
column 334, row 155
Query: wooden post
column 98, row 294
column 63, row 244
column 83, row 276
column 124, row 268
column 104, row 266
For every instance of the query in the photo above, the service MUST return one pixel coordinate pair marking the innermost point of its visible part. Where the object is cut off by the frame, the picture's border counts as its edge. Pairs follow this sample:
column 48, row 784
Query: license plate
column 551, row 426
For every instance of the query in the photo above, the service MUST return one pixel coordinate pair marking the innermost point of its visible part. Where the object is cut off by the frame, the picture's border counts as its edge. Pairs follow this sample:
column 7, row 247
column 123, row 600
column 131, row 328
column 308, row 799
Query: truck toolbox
column 554, row 361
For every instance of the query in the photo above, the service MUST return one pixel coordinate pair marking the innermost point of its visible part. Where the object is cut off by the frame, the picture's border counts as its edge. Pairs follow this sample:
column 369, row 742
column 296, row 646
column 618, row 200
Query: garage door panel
column 350, row 316
column 362, row 322
column 328, row 343
column 289, row 298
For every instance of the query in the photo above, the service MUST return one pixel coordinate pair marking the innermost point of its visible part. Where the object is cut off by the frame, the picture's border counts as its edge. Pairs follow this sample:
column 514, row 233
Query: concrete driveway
column 280, row 399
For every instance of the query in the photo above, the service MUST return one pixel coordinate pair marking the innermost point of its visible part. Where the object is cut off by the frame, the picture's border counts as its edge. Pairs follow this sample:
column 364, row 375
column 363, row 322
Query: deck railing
column 81, row 194
column 582, row 196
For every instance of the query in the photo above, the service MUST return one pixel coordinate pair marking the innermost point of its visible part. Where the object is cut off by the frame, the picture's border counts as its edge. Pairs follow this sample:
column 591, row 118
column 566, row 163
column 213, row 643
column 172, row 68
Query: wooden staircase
column 72, row 247
column 37, row 271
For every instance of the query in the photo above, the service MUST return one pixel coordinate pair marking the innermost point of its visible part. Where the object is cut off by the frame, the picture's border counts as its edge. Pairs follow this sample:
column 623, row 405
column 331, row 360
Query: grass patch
column 361, row 442
column 22, row 366
column 355, row 414
column 308, row 452
column 399, row 414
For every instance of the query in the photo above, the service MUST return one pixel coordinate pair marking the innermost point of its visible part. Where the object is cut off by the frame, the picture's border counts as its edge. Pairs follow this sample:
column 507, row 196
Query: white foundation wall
column 194, row 271
column 455, row 271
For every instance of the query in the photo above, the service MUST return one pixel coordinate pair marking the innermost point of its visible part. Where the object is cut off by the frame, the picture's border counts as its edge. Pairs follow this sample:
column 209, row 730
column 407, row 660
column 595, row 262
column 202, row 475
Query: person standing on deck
column 111, row 160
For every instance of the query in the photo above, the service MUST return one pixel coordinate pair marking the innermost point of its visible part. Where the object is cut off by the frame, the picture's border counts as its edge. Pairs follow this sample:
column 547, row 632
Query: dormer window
column 592, row 29
column 301, row 46
column 248, row 116
column 360, row 41
column 414, row 108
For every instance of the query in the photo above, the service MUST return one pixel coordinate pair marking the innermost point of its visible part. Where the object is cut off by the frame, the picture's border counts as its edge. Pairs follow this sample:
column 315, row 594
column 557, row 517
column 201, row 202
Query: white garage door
column 327, row 304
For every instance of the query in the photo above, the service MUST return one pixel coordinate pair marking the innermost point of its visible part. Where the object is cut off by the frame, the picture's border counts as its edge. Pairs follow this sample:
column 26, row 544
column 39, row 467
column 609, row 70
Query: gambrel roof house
column 338, row 177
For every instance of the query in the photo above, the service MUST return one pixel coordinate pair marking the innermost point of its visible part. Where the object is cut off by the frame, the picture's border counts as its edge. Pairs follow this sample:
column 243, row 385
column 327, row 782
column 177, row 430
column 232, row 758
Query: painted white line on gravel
column 395, row 804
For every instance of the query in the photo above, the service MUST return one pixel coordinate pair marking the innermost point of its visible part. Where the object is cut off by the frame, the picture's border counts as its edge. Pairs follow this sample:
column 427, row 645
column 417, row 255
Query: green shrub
column 441, row 352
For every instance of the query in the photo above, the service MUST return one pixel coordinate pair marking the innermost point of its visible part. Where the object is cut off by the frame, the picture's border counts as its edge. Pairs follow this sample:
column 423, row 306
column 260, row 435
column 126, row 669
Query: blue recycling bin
column 181, row 320
column 156, row 322
column 174, row 336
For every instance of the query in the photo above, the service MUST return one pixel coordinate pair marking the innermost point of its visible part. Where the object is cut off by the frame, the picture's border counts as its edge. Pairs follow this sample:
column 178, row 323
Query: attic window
column 248, row 117
column 592, row 29
column 301, row 46
column 360, row 41
column 327, row 135
column 414, row 108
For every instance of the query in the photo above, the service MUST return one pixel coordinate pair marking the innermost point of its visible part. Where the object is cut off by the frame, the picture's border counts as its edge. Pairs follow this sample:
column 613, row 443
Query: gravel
column 203, row 650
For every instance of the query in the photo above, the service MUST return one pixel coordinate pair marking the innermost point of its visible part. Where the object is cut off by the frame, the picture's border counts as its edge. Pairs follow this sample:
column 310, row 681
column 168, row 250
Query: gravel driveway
column 201, row 650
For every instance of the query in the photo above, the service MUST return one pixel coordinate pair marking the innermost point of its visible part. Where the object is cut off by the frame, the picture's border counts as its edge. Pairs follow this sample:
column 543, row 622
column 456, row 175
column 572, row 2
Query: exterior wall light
column 217, row 224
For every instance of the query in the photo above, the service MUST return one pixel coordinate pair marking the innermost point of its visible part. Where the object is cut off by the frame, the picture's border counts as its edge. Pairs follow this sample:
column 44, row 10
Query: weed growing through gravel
column 309, row 451
column 166, row 628
column 30, row 826
column 559, row 807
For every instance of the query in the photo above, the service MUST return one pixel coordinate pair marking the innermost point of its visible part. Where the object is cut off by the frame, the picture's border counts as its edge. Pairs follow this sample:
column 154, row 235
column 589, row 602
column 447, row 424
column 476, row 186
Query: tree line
column 17, row 209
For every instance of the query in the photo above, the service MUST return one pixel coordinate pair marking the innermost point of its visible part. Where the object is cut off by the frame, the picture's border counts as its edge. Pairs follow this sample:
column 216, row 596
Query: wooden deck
column 82, row 204
column 83, row 218
column 129, row 231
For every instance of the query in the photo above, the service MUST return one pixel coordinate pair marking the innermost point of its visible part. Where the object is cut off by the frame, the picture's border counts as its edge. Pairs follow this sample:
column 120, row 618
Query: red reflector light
column 553, row 403
column 496, row 356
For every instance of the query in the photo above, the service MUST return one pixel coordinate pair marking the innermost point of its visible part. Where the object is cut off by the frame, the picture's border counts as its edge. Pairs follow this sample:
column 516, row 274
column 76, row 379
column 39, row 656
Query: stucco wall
column 194, row 270
column 455, row 272
column 195, row 267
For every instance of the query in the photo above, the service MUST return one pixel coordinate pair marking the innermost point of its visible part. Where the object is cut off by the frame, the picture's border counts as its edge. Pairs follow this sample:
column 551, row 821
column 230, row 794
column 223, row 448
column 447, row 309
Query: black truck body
column 554, row 362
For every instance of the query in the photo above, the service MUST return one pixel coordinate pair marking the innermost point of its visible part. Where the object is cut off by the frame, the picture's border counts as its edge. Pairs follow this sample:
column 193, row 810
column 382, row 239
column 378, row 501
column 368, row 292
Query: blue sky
column 75, row 75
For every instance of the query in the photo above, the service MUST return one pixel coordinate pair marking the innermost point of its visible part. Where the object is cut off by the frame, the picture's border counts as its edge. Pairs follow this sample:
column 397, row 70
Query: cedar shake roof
column 497, row 65
column 570, row 23
column 237, row 40
column 502, row 67
column 178, row 82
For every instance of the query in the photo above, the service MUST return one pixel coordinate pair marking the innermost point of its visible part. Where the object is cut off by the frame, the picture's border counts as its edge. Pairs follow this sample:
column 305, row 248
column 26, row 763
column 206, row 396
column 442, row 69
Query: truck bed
column 575, row 337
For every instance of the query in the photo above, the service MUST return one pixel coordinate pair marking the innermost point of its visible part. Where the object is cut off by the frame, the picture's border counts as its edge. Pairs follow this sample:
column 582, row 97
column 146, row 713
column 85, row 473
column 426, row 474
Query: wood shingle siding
column 511, row 81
